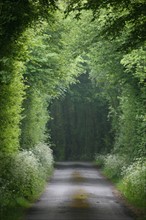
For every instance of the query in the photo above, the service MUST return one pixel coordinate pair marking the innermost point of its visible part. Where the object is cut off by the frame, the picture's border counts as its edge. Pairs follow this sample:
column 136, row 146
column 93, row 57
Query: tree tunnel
column 80, row 127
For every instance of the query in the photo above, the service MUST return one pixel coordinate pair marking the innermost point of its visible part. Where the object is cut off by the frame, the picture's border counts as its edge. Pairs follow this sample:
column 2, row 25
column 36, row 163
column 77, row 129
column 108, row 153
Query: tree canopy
column 119, row 16
column 76, row 85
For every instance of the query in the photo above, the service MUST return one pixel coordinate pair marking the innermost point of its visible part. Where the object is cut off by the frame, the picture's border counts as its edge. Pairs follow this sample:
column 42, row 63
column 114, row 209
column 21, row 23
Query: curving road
column 77, row 191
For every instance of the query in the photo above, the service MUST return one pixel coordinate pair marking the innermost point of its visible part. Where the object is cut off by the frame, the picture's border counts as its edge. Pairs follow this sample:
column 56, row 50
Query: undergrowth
column 130, row 177
column 22, row 179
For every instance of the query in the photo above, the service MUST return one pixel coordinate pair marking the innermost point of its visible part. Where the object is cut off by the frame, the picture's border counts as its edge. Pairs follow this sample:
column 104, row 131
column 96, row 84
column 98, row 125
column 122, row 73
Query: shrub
column 113, row 166
column 5, row 180
column 100, row 159
column 5, row 194
column 45, row 157
column 133, row 184
column 24, row 174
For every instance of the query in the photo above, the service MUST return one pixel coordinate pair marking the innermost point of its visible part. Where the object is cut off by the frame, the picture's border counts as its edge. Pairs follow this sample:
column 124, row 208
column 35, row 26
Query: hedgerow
column 43, row 153
column 25, row 174
column 129, row 176
column 100, row 159
column 133, row 184
column 113, row 166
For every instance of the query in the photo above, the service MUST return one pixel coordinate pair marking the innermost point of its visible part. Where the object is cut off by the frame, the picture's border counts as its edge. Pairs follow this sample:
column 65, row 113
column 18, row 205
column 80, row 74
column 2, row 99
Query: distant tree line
column 80, row 127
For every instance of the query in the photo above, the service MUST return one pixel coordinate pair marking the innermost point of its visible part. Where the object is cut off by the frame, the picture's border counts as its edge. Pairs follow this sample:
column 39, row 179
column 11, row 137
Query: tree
column 15, row 18
column 80, row 127
column 118, row 16
column 49, row 73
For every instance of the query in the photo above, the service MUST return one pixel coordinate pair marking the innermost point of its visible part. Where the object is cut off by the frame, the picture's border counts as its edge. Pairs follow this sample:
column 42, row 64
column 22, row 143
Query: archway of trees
column 47, row 48
column 80, row 127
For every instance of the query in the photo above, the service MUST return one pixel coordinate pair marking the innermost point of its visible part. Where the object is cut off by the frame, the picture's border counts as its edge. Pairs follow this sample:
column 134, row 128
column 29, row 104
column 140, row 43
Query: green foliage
column 120, row 79
column 130, row 138
column 44, row 155
column 134, row 62
column 133, row 183
column 15, row 18
column 79, row 128
column 14, row 213
column 23, row 175
column 35, row 54
column 47, row 78
column 35, row 118
column 100, row 160
column 117, row 17
column 26, row 178
column 129, row 176
column 38, row 64
column 113, row 166
column 11, row 96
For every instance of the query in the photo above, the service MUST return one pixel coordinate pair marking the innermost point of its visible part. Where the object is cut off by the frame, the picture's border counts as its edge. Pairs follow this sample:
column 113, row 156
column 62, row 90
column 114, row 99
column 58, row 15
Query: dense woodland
column 72, row 79
column 79, row 127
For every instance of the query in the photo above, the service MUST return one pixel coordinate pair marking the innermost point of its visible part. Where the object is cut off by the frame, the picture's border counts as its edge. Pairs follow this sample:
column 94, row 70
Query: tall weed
column 133, row 184
column 113, row 166
column 100, row 160
column 44, row 155
column 24, row 174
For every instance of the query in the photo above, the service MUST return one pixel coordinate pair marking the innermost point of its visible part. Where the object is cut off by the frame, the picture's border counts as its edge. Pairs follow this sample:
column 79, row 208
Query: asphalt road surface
column 77, row 191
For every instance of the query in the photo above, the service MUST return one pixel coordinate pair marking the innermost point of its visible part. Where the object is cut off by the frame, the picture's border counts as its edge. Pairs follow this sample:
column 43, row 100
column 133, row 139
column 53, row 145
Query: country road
column 77, row 191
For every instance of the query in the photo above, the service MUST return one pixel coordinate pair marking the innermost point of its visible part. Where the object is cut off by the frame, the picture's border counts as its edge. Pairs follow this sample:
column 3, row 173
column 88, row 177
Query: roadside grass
column 23, row 178
column 15, row 212
column 129, row 179
column 18, row 209
column 12, row 214
column 137, row 206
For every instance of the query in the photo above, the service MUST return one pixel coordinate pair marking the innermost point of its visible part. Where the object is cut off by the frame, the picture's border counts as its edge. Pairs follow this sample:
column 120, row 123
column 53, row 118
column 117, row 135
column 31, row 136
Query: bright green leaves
column 11, row 96
column 16, row 16
column 133, row 183
column 50, row 69
column 35, row 118
column 117, row 67
column 135, row 63
column 22, row 178
column 116, row 17
column 131, row 136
